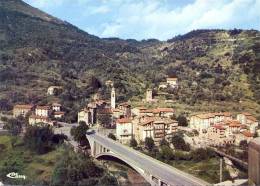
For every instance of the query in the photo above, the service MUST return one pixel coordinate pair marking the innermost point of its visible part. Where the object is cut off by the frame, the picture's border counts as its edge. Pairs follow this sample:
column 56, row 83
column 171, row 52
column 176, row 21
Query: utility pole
column 220, row 170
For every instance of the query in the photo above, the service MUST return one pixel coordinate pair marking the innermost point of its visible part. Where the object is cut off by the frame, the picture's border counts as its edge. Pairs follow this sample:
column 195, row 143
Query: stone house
column 156, row 128
column 35, row 119
column 163, row 85
column 125, row 108
column 56, row 107
column 204, row 121
column 249, row 120
column 244, row 135
column 172, row 81
column 124, row 130
column 163, row 112
column 217, row 136
column 52, row 90
column 58, row 114
column 84, row 115
column 146, row 112
column 44, row 111
column 41, row 115
column 22, row 110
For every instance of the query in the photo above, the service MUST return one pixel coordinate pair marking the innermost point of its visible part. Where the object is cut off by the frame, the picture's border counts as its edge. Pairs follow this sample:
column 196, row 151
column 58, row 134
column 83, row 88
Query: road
column 160, row 170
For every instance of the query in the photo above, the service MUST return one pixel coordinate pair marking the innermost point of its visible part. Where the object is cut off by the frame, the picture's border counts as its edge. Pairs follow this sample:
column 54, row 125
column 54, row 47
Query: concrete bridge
column 154, row 171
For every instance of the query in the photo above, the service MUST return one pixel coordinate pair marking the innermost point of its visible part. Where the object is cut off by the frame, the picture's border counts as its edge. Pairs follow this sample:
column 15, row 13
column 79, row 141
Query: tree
column 5, row 105
column 243, row 144
column 166, row 152
column 104, row 119
column 182, row 121
column 39, row 139
column 164, row 142
column 112, row 136
column 179, row 143
column 94, row 83
column 202, row 154
column 14, row 125
column 133, row 143
column 79, row 169
column 79, row 132
column 149, row 143
column 84, row 125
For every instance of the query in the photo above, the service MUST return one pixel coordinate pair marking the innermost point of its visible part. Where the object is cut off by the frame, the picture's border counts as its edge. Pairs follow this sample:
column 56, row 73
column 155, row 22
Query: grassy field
column 207, row 170
column 14, row 157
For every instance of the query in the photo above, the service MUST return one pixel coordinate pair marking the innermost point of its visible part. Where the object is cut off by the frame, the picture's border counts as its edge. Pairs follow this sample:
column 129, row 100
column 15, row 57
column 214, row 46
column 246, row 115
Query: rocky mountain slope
column 216, row 68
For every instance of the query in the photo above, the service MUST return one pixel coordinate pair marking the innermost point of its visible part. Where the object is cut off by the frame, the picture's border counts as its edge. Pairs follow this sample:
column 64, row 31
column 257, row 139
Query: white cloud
column 99, row 10
column 162, row 19
column 156, row 20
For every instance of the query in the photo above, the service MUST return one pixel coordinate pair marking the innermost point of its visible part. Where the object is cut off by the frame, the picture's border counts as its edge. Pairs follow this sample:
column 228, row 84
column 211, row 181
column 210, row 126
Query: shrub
column 111, row 136
column 166, row 152
column 149, row 143
column 14, row 125
column 39, row 139
column 179, row 143
column 202, row 154
column 164, row 142
column 182, row 120
column 79, row 132
column 133, row 143
column 179, row 155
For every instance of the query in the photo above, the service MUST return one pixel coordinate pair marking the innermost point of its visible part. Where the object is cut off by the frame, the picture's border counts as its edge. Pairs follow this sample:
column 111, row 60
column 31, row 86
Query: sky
column 159, row 19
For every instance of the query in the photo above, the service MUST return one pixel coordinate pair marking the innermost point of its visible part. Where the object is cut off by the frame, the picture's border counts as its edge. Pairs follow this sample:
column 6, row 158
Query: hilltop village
column 126, row 122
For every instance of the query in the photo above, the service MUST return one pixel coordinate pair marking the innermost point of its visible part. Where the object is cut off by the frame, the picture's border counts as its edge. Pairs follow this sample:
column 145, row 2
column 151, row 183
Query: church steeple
column 113, row 98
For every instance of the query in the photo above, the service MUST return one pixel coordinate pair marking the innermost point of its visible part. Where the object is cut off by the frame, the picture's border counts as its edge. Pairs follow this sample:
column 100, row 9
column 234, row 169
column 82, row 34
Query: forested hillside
column 214, row 67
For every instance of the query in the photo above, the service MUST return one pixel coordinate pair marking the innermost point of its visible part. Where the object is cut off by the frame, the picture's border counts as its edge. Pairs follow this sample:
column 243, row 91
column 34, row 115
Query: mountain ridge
column 217, row 67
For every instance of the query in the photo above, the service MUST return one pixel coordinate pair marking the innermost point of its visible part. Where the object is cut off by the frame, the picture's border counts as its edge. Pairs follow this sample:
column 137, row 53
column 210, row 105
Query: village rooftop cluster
column 207, row 129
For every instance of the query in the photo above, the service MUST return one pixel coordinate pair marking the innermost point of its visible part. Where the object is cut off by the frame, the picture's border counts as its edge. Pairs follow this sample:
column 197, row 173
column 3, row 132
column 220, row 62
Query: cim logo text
column 15, row 175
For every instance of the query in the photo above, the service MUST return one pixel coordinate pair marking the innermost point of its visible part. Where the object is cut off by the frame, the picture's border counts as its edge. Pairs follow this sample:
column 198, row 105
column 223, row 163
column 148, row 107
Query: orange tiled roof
column 124, row 120
column 56, row 104
column 115, row 110
column 141, row 108
column 205, row 116
column 124, row 104
column 43, row 107
column 164, row 121
column 29, row 106
column 252, row 118
column 158, row 110
column 243, row 126
column 59, row 113
column 247, row 133
column 104, row 111
column 220, row 127
column 227, row 114
column 147, row 120
column 246, row 113
column 233, row 123
column 146, row 111
column 212, row 115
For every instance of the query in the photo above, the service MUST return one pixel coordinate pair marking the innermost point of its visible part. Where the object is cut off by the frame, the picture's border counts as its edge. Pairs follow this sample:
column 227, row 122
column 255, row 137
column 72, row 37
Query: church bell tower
column 113, row 98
